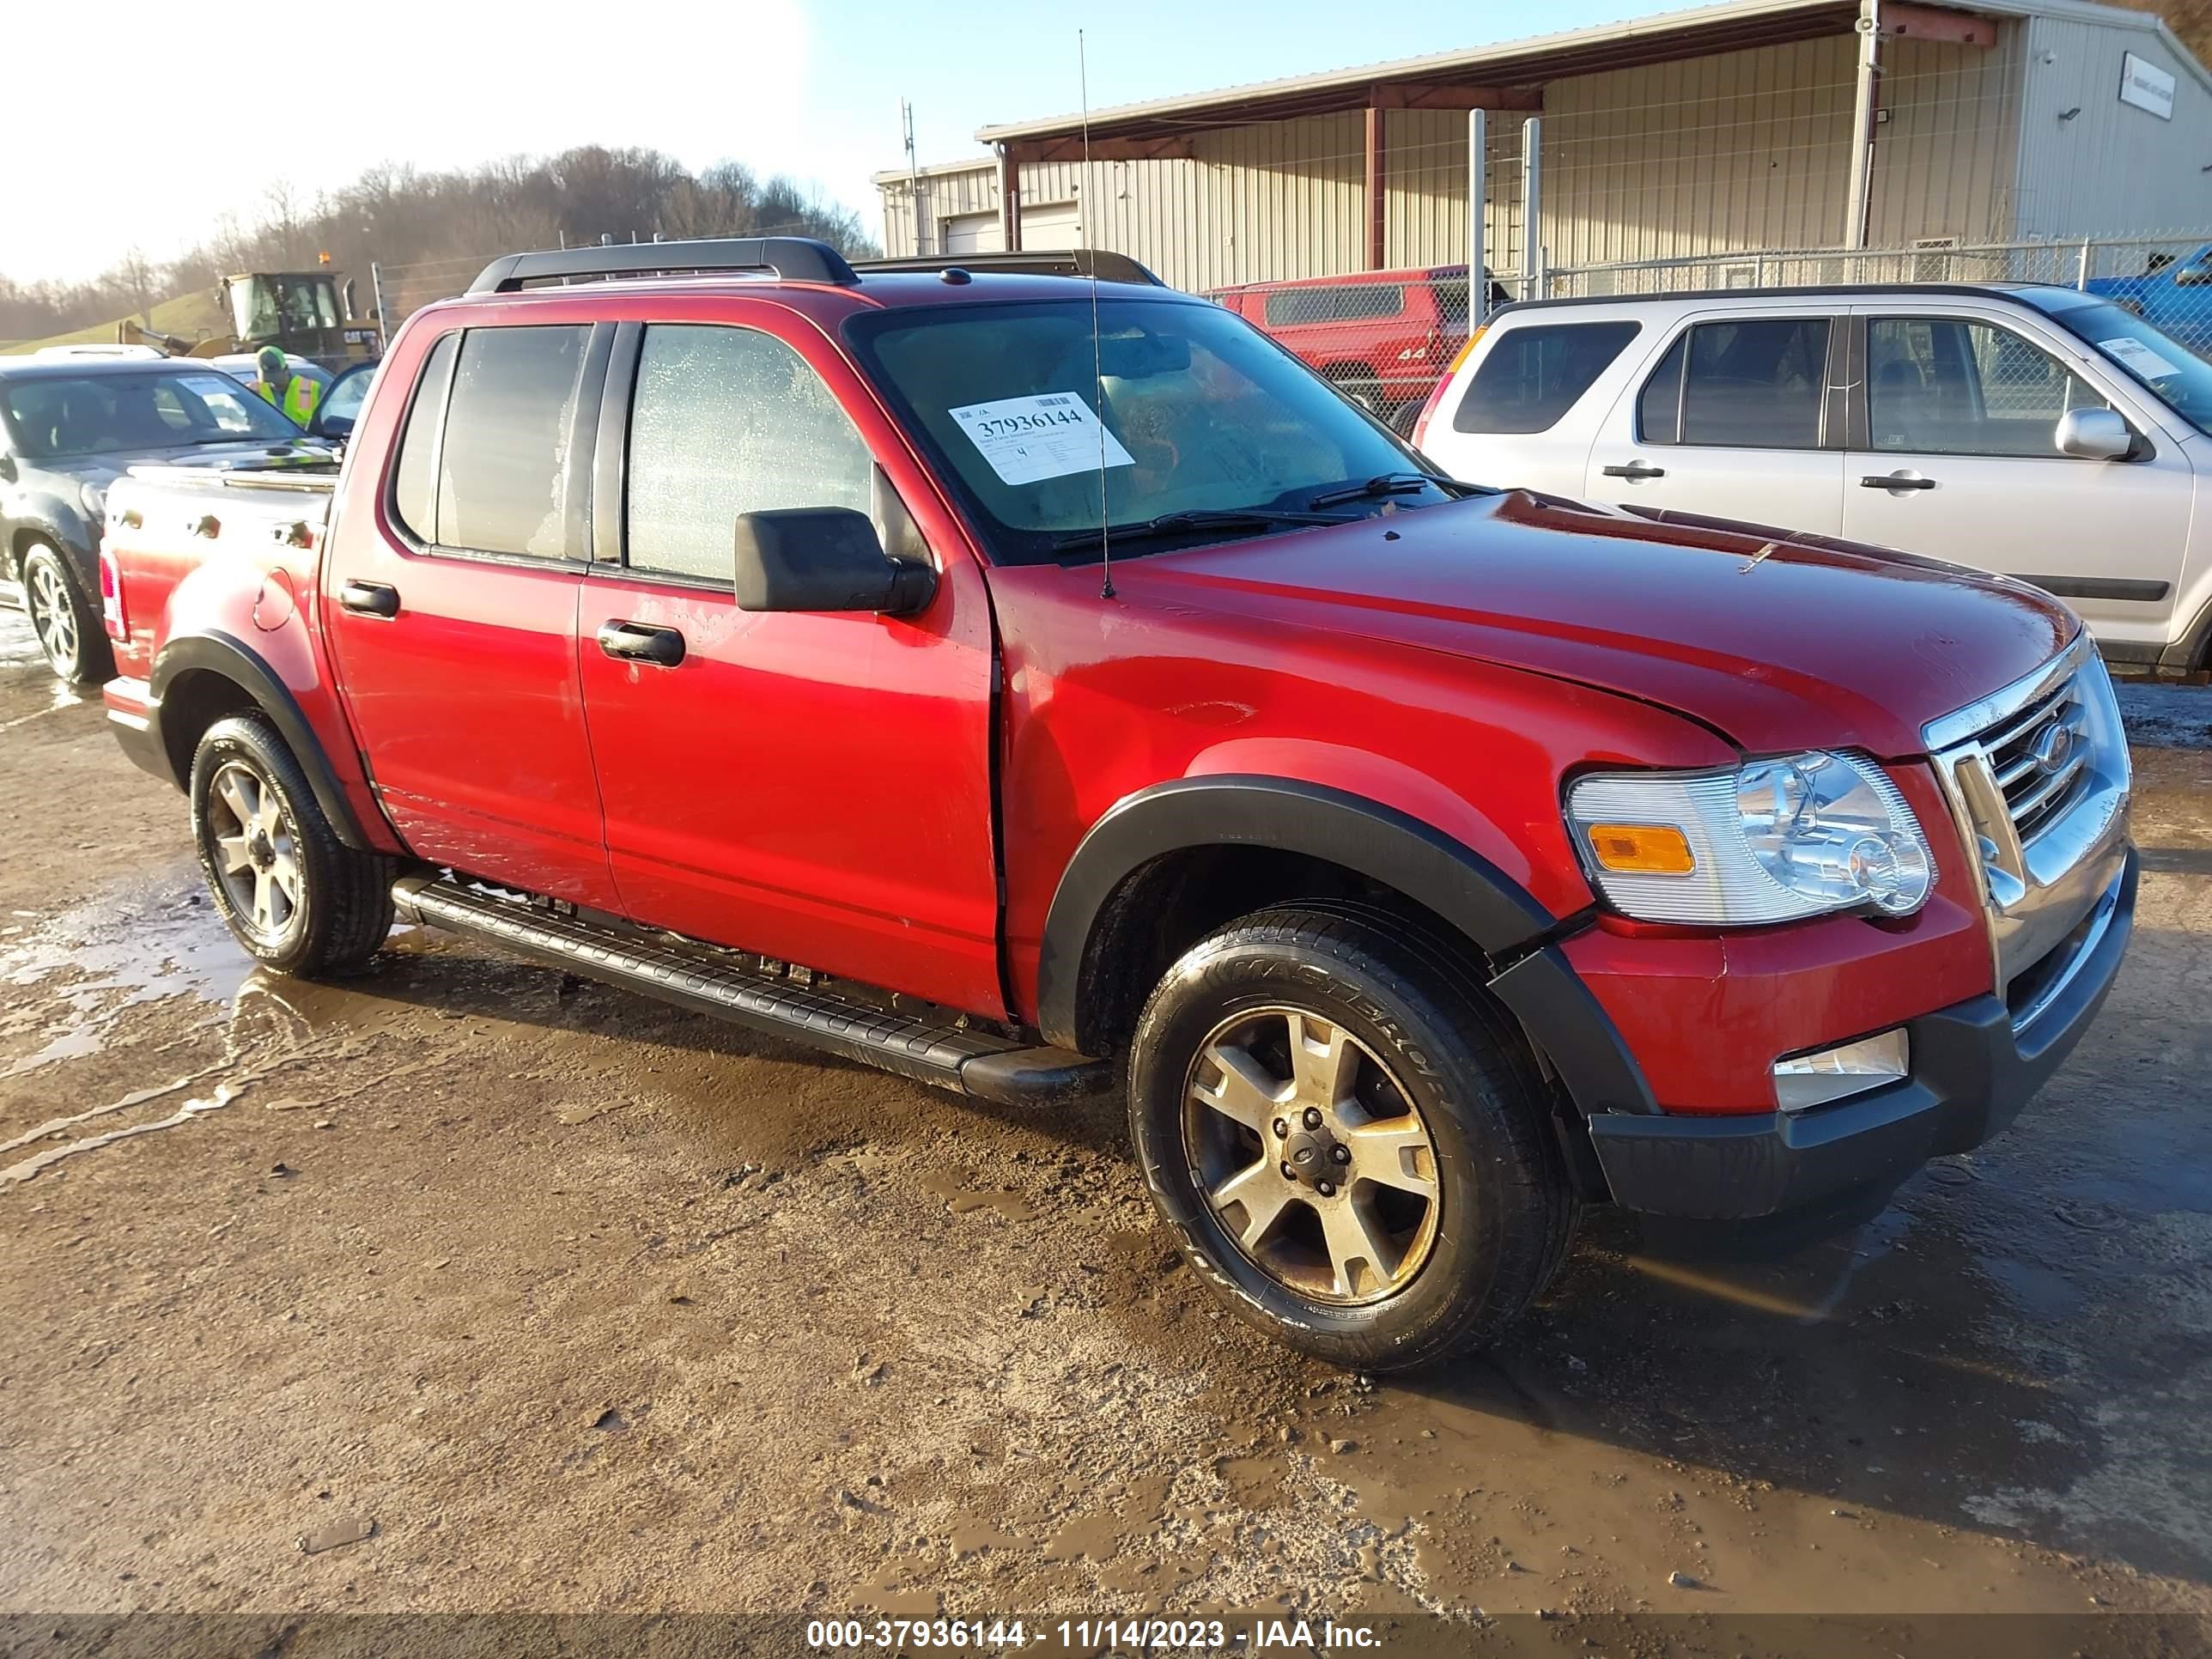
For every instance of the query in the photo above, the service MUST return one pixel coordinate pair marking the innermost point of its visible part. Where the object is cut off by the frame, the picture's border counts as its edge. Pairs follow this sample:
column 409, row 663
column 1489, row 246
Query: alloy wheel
column 257, row 850
column 1312, row 1156
column 53, row 616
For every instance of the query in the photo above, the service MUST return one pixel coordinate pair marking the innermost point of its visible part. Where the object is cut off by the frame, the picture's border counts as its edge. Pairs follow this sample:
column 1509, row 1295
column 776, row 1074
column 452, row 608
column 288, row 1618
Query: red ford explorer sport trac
column 1015, row 674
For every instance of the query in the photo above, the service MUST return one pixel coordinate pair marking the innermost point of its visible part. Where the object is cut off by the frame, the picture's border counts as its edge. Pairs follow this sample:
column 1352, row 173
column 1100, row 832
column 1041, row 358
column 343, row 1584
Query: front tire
column 1350, row 1141
column 66, row 626
column 293, row 895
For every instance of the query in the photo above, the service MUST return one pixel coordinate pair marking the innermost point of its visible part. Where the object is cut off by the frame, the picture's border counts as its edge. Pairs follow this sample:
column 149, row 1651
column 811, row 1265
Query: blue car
column 2175, row 297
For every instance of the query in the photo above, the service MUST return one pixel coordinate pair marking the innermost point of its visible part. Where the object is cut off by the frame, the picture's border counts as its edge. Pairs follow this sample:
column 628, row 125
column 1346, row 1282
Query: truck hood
column 258, row 454
column 1778, row 642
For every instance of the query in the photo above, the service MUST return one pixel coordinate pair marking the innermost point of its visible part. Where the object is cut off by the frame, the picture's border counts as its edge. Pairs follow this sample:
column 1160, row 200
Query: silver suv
column 2036, row 431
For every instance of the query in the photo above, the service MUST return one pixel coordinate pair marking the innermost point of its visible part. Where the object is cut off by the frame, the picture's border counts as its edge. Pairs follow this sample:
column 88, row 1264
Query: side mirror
column 823, row 558
column 2193, row 276
column 2094, row 434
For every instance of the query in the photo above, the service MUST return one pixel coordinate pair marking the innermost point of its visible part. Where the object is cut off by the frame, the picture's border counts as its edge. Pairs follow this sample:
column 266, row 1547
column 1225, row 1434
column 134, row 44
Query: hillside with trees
column 402, row 216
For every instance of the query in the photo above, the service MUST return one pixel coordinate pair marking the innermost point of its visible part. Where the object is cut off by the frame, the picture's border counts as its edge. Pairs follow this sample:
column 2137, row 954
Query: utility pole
column 1869, row 89
column 913, row 178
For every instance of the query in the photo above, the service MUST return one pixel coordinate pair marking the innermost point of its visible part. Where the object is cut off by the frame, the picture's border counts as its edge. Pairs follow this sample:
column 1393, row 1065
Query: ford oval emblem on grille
column 2053, row 748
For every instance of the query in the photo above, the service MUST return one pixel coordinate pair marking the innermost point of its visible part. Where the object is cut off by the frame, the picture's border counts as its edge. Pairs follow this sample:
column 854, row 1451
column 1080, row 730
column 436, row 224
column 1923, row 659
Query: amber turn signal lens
column 1467, row 351
column 1641, row 849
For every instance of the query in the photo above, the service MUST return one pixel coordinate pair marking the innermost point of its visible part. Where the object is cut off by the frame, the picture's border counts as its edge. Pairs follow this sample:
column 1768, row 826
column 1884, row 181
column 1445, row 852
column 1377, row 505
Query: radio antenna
column 1097, row 353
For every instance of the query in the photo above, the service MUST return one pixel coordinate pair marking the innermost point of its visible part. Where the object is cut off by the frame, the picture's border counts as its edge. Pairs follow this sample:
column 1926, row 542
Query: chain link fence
column 2165, row 279
column 1383, row 337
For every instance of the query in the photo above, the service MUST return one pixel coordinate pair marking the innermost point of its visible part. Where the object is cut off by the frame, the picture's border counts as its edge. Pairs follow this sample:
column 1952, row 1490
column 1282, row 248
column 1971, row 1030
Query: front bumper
column 1973, row 1069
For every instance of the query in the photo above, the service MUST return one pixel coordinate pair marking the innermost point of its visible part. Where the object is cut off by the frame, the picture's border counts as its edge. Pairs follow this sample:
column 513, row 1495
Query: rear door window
column 503, row 471
column 1535, row 375
column 1747, row 383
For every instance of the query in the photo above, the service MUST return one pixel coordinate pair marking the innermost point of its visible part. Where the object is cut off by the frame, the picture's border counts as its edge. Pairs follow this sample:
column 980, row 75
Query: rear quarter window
column 1536, row 373
column 1349, row 302
column 414, row 482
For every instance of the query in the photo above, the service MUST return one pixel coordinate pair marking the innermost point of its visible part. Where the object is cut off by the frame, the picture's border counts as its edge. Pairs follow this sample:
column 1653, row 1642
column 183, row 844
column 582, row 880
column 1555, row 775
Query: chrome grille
column 2040, row 757
column 2037, row 773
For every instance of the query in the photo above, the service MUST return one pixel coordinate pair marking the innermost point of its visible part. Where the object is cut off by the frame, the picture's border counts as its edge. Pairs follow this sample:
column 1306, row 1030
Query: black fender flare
column 222, row 654
column 53, row 519
column 1514, row 936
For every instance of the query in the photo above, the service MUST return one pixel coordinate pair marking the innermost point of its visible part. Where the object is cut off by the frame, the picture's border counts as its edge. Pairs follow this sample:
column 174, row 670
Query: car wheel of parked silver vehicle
column 293, row 894
column 1349, row 1138
column 67, row 629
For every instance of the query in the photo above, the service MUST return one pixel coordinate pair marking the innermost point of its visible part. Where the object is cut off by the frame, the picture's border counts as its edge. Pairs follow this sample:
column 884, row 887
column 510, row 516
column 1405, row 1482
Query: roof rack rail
column 793, row 258
column 1107, row 266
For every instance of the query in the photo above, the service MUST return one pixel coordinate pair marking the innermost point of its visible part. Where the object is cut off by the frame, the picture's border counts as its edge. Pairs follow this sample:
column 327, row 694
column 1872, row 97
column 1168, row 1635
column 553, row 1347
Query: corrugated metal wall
column 1736, row 151
column 1943, row 163
column 949, row 192
column 1742, row 151
column 1751, row 149
column 2113, row 169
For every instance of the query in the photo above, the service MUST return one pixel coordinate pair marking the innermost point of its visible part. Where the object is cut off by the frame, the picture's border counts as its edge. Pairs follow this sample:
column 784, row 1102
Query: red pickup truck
column 1011, row 675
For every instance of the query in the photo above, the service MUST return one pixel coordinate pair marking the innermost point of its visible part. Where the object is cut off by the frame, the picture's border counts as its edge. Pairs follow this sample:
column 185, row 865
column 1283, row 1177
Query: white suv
column 2036, row 431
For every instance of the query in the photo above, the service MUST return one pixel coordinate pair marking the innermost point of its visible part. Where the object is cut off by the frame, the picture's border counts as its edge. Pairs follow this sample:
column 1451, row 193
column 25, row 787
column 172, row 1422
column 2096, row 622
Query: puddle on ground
column 28, row 1168
column 133, row 942
column 19, row 647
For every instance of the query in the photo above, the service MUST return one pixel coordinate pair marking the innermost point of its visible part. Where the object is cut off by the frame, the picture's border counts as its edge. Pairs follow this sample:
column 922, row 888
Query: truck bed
column 165, row 522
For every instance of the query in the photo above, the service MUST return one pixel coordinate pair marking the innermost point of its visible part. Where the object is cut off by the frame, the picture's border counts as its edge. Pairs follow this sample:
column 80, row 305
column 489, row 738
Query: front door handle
column 1635, row 471
column 1907, row 480
column 370, row 598
column 642, row 642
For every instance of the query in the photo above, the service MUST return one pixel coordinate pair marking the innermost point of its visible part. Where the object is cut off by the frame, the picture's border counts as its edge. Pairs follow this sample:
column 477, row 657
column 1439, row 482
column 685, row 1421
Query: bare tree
column 404, row 216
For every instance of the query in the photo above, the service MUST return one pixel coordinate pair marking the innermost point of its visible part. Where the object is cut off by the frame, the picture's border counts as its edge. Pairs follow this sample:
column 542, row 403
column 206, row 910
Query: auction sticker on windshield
column 2134, row 355
column 1027, row 440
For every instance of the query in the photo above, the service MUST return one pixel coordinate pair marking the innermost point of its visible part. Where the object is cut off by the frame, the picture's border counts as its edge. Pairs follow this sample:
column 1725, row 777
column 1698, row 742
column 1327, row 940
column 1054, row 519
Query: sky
column 150, row 147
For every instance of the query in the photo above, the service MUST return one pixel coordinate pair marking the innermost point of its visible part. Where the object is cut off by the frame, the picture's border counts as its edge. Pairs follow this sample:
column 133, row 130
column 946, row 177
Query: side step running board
column 970, row 1062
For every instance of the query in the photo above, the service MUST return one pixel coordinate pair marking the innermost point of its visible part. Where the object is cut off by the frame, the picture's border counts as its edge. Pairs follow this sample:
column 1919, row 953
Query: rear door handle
column 370, row 598
column 642, row 642
column 1636, row 471
column 1896, row 481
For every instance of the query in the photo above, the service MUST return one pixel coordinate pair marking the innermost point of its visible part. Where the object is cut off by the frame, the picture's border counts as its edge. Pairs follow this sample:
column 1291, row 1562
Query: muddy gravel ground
column 586, row 1303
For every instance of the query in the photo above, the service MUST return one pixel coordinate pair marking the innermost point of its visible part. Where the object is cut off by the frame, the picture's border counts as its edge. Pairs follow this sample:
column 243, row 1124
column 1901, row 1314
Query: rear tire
column 67, row 627
column 1455, row 1208
column 293, row 894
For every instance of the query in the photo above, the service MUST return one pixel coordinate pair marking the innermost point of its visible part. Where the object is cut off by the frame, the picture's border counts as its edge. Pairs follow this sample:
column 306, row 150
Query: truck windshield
column 54, row 415
column 2180, row 378
column 1186, row 412
column 264, row 307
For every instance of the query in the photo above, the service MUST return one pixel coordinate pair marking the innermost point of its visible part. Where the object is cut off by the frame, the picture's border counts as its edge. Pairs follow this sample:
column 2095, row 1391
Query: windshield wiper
column 1198, row 518
column 1394, row 483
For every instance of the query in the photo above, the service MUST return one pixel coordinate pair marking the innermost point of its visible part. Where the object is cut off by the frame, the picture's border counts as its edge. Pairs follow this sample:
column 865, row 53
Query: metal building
column 1749, row 125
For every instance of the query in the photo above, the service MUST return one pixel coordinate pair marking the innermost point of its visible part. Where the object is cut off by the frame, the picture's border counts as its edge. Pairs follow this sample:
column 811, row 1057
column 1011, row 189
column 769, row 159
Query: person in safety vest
column 295, row 394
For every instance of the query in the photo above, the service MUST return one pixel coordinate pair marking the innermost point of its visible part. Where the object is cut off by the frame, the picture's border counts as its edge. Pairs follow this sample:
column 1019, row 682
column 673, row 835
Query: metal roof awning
column 1509, row 75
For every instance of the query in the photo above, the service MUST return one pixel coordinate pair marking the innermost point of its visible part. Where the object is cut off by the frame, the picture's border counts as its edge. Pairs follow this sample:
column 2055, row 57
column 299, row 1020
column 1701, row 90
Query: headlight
column 93, row 500
column 1771, row 840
